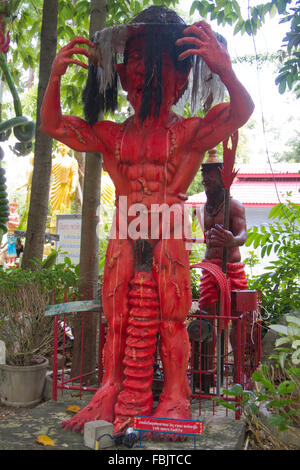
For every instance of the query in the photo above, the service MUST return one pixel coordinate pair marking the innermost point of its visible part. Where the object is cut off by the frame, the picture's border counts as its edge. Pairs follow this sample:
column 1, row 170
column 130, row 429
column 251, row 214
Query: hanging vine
column 23, row 129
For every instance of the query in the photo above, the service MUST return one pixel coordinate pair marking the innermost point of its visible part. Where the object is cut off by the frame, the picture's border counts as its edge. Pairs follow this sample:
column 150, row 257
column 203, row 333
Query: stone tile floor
column 19, row 430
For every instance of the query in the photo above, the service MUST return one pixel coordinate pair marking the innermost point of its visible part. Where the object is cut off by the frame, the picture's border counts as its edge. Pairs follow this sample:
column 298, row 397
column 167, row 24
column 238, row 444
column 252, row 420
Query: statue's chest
column 216, row 216
column 145, row 147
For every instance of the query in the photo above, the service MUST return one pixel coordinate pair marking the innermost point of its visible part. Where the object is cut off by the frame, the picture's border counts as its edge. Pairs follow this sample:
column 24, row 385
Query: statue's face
column 13, row 207
column 135, row 73
column 132, row 75
column 63, row 150
column 212, row 180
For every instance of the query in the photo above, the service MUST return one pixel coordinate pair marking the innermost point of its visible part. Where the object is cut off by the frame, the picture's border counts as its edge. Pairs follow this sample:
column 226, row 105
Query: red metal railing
column 240, row 354
column 64, row 342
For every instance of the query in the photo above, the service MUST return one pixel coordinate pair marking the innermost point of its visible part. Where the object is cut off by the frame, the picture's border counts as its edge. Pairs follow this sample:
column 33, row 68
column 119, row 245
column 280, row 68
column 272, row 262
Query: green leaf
column 273, row 10
column 295, row 358
column 282, row 87
column 286, row 387
column 279, row 421
column 293, row 331
column 236, row 390
column 296, row 344
column 248, row 27
column 282, row 340
column 282, row 358
column 257, row 376
column 293, row 319
column 279, row 329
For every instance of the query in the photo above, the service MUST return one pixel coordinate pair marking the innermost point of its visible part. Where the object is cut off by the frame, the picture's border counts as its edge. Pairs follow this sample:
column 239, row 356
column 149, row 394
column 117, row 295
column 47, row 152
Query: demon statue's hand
column 219, row 237
column 64, row 56
column 205, row 45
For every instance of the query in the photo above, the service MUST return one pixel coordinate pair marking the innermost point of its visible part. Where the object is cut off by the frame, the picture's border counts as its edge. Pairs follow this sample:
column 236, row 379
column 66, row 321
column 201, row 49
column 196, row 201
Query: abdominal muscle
column 149, row 219
column 146, row 210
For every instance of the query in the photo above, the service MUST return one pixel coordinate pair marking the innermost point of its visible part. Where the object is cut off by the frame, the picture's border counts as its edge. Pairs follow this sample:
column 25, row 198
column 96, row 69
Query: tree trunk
column 89, row 249
column 38, row 209
column 80, row 157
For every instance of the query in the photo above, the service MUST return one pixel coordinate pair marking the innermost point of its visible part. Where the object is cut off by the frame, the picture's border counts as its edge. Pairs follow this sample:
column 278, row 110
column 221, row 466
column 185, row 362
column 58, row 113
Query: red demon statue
column 152, row 158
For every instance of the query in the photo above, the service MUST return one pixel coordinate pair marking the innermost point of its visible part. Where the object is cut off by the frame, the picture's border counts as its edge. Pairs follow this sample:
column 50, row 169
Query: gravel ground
column 7, row 412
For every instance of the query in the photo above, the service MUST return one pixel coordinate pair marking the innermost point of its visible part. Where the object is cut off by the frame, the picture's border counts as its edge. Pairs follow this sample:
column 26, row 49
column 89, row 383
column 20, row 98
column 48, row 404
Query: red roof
column 257, row 188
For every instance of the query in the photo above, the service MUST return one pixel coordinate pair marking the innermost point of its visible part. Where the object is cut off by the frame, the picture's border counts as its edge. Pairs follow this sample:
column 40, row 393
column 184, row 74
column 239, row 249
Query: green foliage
column 251, row 260
column 288, row 345
column 73, row 20
column 24, row 293
column 196, row 185
column 195, row 283
column 279, row 285
column 289, row 74
column 229, row 12
column 196, row 256
column 50, row 277
column 279, row 392
column 292, row 152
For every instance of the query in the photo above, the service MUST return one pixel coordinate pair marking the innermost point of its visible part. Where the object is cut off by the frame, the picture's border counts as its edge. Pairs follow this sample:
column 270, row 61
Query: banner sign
column 71, row 307
column 168, row 425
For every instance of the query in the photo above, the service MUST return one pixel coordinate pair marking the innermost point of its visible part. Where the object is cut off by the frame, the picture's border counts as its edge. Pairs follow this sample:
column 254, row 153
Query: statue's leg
column 136, row 398
column 117, row 275
column 172, row 274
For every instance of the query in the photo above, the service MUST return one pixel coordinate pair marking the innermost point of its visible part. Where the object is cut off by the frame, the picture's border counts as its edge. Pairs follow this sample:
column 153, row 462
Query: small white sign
column 68, row 227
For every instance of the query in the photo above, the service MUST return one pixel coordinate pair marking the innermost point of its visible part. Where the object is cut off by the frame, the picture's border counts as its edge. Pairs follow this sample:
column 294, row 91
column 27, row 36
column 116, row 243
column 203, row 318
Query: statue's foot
column 101, row 407
column 122, row 423
column 178, row 408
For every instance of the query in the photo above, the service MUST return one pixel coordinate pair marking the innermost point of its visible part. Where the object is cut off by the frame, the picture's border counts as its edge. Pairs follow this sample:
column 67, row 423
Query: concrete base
column 98, row 435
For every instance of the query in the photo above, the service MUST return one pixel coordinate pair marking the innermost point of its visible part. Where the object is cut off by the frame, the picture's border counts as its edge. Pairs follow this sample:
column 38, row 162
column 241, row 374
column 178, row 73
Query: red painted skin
column 150, row 163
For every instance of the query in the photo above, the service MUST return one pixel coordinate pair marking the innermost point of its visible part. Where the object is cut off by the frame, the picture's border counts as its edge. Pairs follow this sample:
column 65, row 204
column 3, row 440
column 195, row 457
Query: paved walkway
column 221, row 432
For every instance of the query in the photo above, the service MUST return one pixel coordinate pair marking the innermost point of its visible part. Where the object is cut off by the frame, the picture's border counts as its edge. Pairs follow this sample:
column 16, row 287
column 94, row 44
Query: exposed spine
column 136, row 397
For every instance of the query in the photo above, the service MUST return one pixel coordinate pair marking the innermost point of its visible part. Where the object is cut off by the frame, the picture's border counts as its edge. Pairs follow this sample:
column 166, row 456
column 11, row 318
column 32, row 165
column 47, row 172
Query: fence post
column 54, row 376
column 238, row 361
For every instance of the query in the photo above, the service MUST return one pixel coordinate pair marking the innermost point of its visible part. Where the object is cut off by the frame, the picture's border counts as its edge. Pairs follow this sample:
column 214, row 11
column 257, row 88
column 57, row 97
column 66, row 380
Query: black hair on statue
column 143, row 255
column 153, row 74
column 157, row 39
column 95, row 102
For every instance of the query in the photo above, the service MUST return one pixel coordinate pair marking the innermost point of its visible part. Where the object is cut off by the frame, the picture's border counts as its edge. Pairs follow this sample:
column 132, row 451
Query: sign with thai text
column 68, row 227
column 166, row 425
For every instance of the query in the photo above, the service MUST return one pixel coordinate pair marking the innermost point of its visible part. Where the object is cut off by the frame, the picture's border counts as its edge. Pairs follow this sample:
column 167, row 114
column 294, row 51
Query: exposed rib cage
column 136, row 397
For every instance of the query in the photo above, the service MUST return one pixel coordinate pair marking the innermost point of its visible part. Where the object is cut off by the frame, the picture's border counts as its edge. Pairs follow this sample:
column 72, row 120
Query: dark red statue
column 216, row 236
column 152, row 158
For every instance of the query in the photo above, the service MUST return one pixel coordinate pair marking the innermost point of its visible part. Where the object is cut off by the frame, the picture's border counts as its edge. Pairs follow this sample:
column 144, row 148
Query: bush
column 276, row 388
column 24, row 294
column 279, row 286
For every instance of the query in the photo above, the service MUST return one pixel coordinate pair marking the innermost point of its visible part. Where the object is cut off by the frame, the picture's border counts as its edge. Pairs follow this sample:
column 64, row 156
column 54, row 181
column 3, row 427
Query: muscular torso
column 212, row 252
column 145, row 166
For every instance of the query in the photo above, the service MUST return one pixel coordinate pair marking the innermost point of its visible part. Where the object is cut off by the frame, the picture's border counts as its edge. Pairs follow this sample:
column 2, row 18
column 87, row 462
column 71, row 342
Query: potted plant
column 26, row 331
